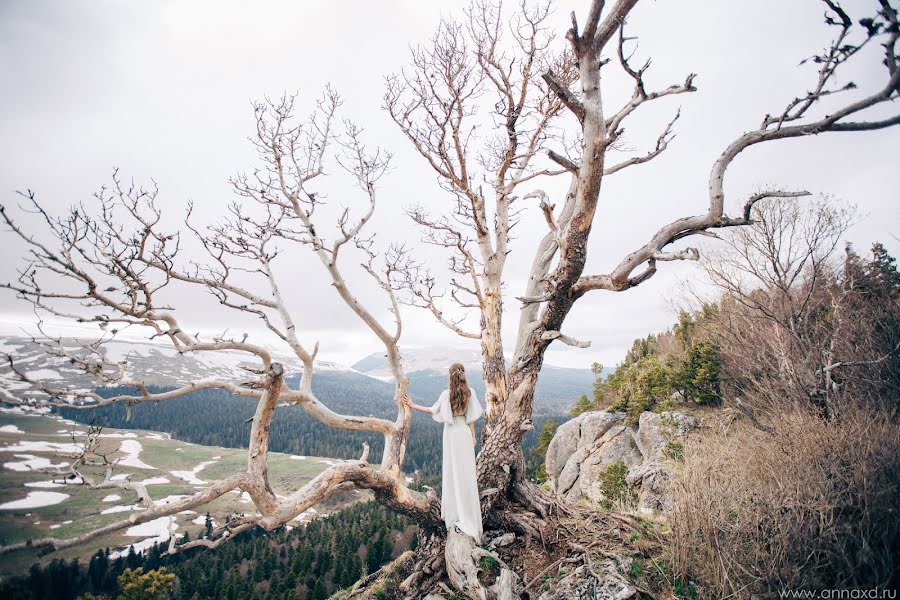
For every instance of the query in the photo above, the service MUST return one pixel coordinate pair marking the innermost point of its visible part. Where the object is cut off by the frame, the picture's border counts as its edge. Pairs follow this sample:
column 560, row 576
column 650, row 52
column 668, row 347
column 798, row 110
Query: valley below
column 39, row 498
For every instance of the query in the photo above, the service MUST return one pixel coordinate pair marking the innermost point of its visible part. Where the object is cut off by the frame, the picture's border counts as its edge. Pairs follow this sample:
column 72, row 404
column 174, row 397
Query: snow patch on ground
column 10, row 429
column 111, row 498
column 295, row 457
column 35, row 500
column 121, row 508
column 70, row 433
column 119, row 435
column 157, row 528
column 160, row 530
column 24, row 410
column 308, row 515
column 31, row 446
column 132, row 450
column 31, row 463
column 44, row 484
column 156, row 481
column 43, row 374
column 120, row 477
column 201, row 520
column 169, row 500
column 191, row 476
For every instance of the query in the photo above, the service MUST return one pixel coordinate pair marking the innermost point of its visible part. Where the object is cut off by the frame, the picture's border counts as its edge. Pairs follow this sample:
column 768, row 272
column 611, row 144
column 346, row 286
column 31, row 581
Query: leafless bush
column 809, row 505
column 796, row 324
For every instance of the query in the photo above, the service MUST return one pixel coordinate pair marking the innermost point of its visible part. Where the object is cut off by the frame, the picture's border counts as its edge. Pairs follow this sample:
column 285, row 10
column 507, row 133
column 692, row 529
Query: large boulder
column 585, row 447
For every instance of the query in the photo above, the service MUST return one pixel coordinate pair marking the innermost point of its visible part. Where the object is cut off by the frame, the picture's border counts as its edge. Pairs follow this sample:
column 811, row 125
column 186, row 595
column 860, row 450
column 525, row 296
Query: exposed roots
column 571, row 550
column 478, row 574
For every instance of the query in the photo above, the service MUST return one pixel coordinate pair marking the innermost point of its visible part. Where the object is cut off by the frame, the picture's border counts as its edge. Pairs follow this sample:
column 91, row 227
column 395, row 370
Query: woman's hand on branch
column 408, row 402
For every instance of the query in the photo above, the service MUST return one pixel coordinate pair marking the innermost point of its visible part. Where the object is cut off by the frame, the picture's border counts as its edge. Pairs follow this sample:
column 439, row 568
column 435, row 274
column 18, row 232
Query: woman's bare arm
column 472, row 429
column 415, row 406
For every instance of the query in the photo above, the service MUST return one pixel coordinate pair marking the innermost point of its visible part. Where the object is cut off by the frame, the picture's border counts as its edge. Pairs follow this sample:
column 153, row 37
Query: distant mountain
column 154, row 363
column 557, row 388
column 158, row 365
column 365, row 388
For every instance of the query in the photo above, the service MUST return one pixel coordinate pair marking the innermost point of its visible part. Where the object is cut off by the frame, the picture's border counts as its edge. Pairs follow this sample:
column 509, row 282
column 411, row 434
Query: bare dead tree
column 491, row 67
column 494, row 105
column 110, row 264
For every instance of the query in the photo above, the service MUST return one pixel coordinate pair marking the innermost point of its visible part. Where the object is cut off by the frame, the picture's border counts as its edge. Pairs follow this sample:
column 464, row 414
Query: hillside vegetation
column 793, row 366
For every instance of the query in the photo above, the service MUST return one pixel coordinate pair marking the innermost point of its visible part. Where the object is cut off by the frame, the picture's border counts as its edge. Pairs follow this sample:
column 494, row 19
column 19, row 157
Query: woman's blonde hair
column 459, row 390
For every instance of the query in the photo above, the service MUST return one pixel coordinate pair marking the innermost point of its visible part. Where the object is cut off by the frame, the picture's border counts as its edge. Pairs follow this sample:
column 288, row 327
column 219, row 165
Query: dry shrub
column 810, row 505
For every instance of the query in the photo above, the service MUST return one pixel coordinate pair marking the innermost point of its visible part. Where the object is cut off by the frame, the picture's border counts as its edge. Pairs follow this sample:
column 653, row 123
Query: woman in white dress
column 458, row 409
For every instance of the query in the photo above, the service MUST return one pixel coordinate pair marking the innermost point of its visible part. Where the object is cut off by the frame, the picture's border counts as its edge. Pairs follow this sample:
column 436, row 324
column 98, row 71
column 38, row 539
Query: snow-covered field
column 35, row 456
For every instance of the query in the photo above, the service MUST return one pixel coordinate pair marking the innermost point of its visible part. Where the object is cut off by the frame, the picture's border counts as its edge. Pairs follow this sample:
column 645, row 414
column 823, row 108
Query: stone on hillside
column 584, row 448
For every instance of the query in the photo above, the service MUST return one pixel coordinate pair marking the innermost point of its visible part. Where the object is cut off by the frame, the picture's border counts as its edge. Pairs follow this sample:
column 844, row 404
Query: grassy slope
column 83, row 506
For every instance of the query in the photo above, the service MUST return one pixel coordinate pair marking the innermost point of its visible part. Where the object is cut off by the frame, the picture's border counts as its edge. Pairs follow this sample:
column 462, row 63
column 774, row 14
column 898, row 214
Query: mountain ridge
column 368, row 379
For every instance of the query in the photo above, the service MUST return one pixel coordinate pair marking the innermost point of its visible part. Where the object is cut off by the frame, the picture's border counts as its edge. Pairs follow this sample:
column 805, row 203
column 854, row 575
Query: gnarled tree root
column 466, row 562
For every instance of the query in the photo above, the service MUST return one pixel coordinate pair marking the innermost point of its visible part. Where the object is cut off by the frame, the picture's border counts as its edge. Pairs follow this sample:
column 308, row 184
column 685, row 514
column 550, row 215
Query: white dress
column 460, row 503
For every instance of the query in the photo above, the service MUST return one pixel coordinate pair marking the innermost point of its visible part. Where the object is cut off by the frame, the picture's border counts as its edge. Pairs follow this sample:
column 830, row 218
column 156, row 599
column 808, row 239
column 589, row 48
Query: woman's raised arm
column 415, row 406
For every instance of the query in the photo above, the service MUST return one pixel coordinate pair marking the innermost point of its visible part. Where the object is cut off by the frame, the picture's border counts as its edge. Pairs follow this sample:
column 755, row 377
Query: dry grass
column 812, row 504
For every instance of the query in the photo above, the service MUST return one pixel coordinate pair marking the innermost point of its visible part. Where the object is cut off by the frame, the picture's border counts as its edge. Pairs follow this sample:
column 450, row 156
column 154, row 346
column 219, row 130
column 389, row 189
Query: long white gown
column 460, row 503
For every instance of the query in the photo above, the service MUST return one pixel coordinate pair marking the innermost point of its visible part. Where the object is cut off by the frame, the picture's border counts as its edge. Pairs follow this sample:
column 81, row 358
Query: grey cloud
column 163, row 89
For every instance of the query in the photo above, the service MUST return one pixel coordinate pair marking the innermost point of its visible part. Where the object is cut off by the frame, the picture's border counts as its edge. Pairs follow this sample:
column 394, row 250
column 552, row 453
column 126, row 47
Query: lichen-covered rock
column 656, row 431
column 578, row 434
column 659, row 438
column 586, row 446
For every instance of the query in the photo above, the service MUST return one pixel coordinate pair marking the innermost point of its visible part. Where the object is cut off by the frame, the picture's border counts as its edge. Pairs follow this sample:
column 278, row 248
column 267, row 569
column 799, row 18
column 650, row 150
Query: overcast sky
column 163, row 90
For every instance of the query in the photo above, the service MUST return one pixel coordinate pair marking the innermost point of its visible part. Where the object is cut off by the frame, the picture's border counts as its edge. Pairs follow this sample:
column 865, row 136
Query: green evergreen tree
column 582, row 406
column 597, row 368
column 207, row 532
column 373, row 555
column 319, row 591
column 134, row 584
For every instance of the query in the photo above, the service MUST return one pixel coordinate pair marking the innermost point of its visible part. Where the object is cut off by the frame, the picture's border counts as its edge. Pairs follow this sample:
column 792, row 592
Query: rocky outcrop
column 585, row 447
